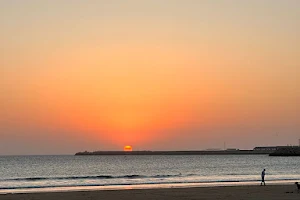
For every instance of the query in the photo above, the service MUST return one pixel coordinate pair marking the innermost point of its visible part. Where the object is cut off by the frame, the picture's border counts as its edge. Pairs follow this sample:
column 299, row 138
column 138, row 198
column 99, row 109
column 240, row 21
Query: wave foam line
column 88, row 177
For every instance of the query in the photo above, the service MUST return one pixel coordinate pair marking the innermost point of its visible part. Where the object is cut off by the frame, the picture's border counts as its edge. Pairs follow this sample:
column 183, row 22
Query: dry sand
column 237, row 192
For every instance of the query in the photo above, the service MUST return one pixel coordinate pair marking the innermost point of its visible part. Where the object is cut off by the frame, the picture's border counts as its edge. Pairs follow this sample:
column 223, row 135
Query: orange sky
column 172, row 75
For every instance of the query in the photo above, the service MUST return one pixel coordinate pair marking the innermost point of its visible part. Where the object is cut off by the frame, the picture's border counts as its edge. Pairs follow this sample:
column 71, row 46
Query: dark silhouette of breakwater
column 287, row 151
column 221, row 152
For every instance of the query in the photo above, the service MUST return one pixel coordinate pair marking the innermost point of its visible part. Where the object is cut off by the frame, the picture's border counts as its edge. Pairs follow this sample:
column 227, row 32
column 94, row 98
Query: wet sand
column 281, row 192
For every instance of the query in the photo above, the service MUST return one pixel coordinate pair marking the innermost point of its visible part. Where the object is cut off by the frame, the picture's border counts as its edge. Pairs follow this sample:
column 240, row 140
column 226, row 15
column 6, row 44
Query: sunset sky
column 157, row 75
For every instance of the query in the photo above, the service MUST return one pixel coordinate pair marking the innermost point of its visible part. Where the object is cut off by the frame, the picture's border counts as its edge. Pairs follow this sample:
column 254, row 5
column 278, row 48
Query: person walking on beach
column 263, row 173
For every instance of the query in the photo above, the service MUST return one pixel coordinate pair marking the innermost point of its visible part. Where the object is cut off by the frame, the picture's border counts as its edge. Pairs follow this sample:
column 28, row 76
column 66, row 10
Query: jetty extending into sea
column 269, row 150
column 221, row 152
column 287, row 151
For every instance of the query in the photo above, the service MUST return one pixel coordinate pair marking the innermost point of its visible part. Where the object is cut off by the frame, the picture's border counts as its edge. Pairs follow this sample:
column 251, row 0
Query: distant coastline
column 268, row 150
column 220, row 152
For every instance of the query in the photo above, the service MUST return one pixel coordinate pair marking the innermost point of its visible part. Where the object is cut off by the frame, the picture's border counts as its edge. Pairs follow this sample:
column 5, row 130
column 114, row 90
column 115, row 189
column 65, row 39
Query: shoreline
column 142, row 187
column 272, row 191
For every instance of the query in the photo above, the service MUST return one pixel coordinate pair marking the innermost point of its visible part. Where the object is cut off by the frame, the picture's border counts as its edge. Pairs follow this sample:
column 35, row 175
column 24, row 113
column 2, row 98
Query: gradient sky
column 157, row 75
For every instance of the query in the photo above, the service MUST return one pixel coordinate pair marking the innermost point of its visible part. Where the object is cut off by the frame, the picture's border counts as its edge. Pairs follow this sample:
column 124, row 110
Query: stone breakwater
column 225, row 152
column 287, row 151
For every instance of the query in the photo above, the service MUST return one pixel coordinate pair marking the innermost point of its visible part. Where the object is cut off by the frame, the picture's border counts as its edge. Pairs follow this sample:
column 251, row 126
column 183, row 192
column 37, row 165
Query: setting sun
column 127, row 148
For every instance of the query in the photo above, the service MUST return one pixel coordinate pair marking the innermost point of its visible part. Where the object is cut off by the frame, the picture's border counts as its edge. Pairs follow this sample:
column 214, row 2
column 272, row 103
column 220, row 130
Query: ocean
column 33, row 173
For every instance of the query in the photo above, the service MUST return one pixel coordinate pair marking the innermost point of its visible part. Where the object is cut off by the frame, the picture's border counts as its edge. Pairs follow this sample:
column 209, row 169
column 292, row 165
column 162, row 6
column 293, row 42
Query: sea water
column 48, row 172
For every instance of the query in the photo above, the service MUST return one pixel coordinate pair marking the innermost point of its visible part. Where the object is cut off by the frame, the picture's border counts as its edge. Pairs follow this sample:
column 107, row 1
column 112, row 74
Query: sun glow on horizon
column 128, row 148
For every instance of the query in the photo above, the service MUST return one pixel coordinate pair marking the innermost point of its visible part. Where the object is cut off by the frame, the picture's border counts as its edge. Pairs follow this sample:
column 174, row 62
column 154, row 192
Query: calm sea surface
column 27, row 172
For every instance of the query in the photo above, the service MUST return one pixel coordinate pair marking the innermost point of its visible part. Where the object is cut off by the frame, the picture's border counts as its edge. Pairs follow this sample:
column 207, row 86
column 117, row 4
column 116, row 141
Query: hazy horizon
column 157, row 75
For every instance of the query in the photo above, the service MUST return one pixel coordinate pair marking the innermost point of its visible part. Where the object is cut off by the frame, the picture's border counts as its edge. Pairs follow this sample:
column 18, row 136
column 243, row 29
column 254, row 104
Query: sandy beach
column 237, row 192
